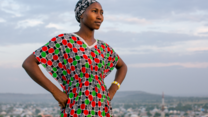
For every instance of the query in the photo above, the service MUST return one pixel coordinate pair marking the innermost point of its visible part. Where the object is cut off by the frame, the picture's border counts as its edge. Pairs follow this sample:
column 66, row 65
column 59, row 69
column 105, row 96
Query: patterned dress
column 80, row 70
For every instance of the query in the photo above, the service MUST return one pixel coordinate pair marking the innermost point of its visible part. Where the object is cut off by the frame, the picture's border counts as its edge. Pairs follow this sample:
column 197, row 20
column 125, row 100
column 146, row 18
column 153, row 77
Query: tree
column 167, row 114
column 123, row 115
column 149, row 108
column 37, row 111
column 185, row 114
column 129, row 115
column 157, row 114
column 149, row 114
column 138, row 114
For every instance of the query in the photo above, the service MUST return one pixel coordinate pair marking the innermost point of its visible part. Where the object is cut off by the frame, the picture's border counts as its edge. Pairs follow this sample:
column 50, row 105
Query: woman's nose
column 100, row 16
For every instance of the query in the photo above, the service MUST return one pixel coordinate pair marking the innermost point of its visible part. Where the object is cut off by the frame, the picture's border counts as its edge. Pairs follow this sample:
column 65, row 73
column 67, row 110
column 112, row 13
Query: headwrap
column 81, row 6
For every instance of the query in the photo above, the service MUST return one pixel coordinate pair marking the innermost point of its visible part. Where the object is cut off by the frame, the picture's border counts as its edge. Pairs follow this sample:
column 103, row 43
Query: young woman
column 79, row 62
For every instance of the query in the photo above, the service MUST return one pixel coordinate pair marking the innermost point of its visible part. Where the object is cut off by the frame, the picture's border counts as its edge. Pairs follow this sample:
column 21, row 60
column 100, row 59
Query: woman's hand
column 112, row 91
column 61, row 97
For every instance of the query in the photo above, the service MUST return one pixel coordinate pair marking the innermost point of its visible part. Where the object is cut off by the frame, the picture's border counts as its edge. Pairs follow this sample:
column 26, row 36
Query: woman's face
column 93, row 16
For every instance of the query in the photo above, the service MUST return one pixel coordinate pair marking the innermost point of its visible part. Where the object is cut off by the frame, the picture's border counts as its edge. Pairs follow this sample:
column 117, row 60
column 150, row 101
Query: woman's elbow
column 126, row 67
column 29, row 61
column 25, row 63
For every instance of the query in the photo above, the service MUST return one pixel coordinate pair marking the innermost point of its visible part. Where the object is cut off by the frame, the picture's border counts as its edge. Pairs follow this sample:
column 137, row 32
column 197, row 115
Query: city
column 149, row 107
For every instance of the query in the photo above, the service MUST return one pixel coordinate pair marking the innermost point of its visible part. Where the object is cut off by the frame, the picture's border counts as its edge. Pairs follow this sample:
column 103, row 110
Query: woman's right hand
column 61, row 97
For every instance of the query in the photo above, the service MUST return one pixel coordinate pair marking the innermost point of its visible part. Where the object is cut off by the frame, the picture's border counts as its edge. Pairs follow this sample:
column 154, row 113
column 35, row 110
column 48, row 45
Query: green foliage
column 37, row 111
column 148, row 113
column 185, row 114
column 123, row 115
column 10, row 109
column 205, row 106
column 149, row 108
column 183, row 108
column 157, row 114
column 129, row 115
column 171, row 108
column 171, row 114
column 167, row 114
column 126, row 106
column 138, row 114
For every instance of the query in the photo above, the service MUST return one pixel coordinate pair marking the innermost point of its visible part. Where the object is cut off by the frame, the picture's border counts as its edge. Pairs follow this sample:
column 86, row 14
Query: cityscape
column 141, row 105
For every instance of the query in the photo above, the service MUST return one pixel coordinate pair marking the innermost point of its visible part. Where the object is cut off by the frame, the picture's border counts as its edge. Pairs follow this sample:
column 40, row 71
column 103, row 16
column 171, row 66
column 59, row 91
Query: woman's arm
column 31, row 67
column 120, row 75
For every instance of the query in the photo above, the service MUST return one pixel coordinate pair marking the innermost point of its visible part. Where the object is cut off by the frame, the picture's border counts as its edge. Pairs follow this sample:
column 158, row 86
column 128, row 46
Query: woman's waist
column 85, row 84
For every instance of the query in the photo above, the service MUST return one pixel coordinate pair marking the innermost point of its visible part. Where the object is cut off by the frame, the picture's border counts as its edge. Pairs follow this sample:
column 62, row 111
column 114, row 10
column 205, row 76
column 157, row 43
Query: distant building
column 134, row 115
column 163, row 106
column 45, row 115
column 3, row 113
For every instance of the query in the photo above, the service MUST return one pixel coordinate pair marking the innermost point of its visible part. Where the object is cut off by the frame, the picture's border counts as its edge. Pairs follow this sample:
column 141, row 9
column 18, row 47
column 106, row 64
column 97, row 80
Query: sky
column 163, row 43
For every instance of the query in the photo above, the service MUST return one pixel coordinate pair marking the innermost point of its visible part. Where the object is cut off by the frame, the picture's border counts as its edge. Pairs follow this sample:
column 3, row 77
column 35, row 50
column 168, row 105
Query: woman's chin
column 97, row 27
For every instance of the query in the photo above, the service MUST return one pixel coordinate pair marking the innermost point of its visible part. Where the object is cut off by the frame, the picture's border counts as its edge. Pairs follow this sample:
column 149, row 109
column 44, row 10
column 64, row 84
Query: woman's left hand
column 112, row 91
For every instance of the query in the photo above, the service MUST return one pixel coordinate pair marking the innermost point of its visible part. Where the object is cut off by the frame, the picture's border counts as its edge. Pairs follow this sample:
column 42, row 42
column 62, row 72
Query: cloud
column 145, row 38
column 202, row 31
column 2, row 20
column 198, row 49
column 13, row 7
column 52, row 25
column 12, row 56
column 185, row 65
column 28, row 23
column 185, row 47
column 126, row 19
column 155, row 9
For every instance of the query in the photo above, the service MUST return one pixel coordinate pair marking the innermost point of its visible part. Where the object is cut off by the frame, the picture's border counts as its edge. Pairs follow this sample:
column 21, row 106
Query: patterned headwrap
column 81, row 6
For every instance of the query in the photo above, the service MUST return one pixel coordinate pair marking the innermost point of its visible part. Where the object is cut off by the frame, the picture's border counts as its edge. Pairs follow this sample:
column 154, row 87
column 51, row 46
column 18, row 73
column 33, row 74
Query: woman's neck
column 86, row 33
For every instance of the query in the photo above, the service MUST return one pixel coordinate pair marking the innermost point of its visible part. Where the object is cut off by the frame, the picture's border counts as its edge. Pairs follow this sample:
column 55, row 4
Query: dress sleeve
column 51, row 57
column 111, row 59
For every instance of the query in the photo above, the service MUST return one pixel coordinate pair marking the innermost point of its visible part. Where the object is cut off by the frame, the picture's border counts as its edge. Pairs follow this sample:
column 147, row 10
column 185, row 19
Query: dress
column 80, row 70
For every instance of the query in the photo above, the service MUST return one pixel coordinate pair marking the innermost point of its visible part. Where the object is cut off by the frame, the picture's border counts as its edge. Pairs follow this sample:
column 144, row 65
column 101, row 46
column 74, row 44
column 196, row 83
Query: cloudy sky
column 164, row 43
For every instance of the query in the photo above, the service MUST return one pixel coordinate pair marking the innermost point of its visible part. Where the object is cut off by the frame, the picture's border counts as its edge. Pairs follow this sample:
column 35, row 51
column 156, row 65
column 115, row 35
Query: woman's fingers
column 61, row 97
column 63, row 103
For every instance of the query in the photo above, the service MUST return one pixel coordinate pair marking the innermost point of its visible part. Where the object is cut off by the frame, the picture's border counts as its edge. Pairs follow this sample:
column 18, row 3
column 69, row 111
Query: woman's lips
column 98, row 23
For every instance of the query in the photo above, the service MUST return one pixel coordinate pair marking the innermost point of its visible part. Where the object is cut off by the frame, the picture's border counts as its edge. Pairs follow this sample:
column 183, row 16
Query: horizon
column 200, row 96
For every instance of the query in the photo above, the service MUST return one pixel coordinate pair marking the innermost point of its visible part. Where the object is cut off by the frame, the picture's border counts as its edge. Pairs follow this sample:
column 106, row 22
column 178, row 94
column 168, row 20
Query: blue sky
column 164, row 43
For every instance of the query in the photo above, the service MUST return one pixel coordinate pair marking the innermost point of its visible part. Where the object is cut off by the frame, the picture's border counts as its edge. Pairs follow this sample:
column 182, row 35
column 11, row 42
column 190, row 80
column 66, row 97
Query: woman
column 79, row 62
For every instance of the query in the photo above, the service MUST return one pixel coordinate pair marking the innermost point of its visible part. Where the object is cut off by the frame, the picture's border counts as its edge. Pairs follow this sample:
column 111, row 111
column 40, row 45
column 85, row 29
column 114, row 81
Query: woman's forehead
column 96, row 5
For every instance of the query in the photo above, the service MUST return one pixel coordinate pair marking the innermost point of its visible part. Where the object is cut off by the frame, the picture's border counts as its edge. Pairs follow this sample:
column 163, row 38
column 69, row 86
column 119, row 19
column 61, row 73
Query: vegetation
column 148, row 113
column 157, row 114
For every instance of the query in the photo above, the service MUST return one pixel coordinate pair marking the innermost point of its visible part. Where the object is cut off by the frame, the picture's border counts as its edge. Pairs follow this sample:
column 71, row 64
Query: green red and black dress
column 80, row 70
